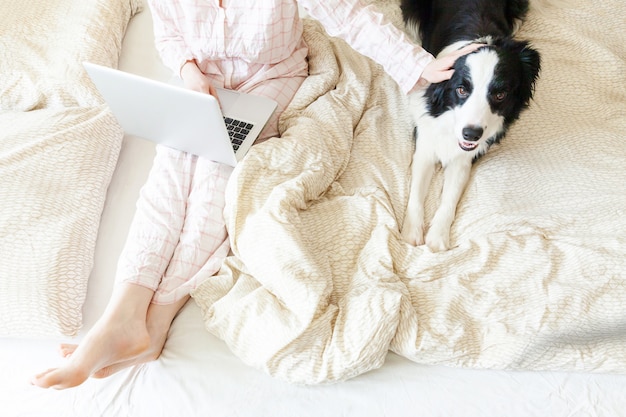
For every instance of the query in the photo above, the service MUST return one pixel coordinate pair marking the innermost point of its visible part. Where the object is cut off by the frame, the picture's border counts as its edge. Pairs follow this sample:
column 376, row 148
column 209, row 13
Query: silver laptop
column 183, row 119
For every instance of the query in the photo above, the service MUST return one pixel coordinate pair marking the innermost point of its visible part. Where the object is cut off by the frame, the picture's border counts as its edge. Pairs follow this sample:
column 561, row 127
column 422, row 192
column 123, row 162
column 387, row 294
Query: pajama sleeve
column 168, row 39
column 373, row 35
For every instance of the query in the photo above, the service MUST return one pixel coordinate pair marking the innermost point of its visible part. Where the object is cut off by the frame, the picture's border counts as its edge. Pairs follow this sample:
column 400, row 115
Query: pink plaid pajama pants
column 178, row 236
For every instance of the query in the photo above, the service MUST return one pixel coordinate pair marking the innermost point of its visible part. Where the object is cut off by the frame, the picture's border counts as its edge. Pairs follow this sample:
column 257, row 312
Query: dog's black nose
column 472, row 133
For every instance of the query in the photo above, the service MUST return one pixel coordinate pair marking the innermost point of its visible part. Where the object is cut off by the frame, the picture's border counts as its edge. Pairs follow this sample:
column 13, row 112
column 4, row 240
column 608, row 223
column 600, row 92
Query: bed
column 322, row 310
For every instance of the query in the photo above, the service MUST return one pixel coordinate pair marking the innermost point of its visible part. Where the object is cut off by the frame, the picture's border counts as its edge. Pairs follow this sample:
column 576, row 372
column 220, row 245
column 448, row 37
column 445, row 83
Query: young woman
column 178, row 237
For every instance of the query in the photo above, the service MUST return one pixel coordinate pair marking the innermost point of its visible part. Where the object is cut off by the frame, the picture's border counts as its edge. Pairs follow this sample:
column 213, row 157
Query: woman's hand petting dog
column 440, row 69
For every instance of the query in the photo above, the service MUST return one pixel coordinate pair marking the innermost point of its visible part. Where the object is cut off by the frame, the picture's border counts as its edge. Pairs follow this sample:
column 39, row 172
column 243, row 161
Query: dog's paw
column 413, row 233
column 438, row 240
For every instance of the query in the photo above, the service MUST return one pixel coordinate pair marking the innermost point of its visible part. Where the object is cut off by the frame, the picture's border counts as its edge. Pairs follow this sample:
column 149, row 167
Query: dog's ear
column 436, row 96
column 531, row 65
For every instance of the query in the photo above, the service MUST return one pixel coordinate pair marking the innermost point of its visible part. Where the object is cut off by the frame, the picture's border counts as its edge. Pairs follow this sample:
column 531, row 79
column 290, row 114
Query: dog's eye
column 461, row 91
column 499, row 96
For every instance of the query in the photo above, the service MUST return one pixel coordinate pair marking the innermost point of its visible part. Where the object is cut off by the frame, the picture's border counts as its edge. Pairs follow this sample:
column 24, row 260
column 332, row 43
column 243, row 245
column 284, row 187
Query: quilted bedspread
column 321, row 286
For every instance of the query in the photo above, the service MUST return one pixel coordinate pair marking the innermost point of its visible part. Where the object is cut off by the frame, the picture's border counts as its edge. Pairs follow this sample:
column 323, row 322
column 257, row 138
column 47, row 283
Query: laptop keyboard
column 237, row 130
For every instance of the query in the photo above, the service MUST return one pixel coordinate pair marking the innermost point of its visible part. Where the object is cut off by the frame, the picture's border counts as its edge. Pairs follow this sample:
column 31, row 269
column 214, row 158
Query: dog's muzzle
column 471, row 136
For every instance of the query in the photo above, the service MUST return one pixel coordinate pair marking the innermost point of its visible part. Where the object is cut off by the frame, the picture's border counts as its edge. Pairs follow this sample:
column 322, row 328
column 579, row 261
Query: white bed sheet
column 198, row 376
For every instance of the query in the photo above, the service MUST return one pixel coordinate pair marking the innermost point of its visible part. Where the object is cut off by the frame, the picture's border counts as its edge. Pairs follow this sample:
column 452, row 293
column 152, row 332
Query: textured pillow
column 55, row 167
column 44, row 42
column 58, row 149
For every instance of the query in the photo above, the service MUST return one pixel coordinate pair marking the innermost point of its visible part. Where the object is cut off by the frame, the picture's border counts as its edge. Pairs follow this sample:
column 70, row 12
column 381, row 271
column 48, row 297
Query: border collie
column 458, row 120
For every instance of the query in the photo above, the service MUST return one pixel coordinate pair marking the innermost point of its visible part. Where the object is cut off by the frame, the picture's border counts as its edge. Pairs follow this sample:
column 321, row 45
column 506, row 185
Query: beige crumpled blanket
column 321, row 286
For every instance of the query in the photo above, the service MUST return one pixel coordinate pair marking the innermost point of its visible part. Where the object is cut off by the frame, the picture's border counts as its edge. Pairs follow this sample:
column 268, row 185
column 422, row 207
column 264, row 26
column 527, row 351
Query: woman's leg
column 201, row 248
column 158, row 222
column 203, row 242
column 131, row 326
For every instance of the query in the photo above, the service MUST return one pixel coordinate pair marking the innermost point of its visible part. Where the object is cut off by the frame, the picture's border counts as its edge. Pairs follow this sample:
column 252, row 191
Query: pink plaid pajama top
column 178, row 237
column 240, row 38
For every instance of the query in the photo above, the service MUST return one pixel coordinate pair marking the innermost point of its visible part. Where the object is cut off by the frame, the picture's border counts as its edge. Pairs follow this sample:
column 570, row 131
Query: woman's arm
column 168, row 39
column 369, row 32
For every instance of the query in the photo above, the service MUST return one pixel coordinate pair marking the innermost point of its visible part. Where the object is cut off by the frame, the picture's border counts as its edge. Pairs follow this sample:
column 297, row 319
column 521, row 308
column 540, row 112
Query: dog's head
column 488, row 91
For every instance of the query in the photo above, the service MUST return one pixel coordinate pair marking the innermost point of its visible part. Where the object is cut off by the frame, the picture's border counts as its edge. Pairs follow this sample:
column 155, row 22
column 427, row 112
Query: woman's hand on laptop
column 194, row 79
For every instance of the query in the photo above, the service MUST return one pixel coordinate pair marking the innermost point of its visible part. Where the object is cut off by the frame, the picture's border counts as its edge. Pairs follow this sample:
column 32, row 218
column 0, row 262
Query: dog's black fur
column 442, row 23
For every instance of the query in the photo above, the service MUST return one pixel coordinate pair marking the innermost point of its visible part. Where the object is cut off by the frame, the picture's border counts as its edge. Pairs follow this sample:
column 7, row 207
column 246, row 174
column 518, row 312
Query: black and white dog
column 459, row 119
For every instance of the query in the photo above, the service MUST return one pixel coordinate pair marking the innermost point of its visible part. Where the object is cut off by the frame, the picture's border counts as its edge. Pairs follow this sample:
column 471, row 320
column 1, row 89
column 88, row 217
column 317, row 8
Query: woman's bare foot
column 107, row 343
column 150, row 354
column 157, row 330
column 119, row 335
column 113, row 344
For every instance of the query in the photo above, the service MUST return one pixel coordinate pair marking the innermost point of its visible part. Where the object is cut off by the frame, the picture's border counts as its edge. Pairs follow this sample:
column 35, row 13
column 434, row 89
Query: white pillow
column 58, row 150
column 44, row 43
